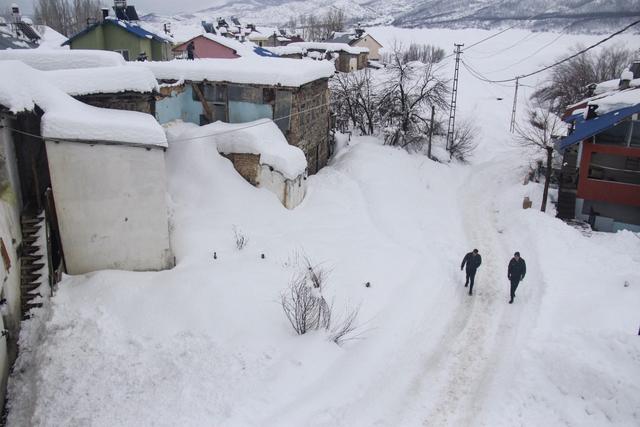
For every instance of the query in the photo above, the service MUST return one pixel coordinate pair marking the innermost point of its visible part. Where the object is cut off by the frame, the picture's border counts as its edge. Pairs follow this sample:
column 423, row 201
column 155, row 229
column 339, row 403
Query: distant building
column 359, row 38
column 346, row 58
column 600, row 178
column 122, row 34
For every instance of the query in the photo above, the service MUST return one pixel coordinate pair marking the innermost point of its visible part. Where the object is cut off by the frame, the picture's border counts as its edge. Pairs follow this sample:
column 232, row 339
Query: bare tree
column 411, row 89
column 355, row 99
column 417, row 52
column 539, row 131
column 463, row 143
column 570, row 81
column 66, row 16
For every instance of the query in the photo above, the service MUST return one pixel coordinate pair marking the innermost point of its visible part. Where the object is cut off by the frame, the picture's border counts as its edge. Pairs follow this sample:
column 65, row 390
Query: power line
column 565, row 59
column 505, row 30
column 237, row 129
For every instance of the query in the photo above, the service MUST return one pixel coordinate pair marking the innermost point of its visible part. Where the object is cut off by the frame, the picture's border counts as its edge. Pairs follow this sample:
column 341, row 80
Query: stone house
column 359, row 38
column 294, row 94
column 345, row 58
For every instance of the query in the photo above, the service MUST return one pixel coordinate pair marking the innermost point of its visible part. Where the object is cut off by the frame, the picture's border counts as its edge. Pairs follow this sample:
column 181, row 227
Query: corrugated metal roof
column 587, row 128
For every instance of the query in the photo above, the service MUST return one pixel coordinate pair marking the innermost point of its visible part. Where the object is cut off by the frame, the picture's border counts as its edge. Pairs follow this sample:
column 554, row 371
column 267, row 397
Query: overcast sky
column 146, row 6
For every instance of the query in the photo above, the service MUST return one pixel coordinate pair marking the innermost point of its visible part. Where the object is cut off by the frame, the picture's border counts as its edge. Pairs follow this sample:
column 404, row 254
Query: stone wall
column 247, row 165
column 132, row 101
column 309, row 129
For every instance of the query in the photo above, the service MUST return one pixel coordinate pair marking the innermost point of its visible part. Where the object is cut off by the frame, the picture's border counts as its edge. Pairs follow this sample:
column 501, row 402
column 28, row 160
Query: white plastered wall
column 111, row 206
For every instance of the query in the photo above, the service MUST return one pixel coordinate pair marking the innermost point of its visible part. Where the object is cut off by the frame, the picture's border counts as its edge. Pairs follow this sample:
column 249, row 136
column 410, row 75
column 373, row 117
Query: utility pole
column 512, row 127
column 433, row 113
column 454, row 96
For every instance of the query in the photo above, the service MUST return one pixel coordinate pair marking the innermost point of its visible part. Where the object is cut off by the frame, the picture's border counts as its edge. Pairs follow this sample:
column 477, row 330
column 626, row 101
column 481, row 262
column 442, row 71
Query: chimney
column 359, row 32
column 625, row 79
column 167, row 27
column 105, row 13
column 15, row 11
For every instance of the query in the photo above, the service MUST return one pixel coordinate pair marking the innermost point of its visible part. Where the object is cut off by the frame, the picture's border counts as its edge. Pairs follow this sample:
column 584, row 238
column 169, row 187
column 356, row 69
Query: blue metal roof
column 125, row 25
column 264, row 52
column 587, row 128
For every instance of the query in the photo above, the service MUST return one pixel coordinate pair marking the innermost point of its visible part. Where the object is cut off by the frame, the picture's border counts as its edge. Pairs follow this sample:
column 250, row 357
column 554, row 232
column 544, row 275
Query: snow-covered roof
column 249, row 70
column 45, row 60
column 85, row 81
column 607, row 86
column 261, row 137
column 331, row 47
column 617, row 100
column 286, row 50
column 51, row 39
column 22, row 88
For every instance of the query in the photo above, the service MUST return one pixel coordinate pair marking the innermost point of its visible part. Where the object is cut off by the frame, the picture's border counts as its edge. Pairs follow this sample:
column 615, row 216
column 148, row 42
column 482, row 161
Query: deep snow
column 207, row 343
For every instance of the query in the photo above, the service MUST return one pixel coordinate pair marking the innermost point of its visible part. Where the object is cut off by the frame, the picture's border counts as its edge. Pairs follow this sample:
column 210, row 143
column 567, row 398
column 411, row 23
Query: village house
column 77, row 193
column 122, row 34
column 209, row 46
column 359, row 38
column 600, row 178
column 294, row 94
column 345, row 58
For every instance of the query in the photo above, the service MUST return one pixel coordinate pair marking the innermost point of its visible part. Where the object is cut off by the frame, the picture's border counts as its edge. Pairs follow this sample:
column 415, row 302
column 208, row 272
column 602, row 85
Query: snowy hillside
column 207, row 343
column 573, row 15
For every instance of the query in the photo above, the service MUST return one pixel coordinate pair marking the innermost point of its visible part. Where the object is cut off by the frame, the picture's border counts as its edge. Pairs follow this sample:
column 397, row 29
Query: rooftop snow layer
column 61, row 59
column 261, row 137
column 85, row 81
column 249, row 70
column 616, row 101
column 286, row 50
column 330, row 47
column 22, row 88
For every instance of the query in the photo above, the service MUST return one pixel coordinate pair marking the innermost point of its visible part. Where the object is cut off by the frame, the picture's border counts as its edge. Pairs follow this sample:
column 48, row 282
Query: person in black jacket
column 472, row 261
column 516, row 271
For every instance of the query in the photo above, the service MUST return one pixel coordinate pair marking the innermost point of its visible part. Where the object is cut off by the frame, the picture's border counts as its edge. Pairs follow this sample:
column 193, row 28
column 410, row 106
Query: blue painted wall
column 179, row 106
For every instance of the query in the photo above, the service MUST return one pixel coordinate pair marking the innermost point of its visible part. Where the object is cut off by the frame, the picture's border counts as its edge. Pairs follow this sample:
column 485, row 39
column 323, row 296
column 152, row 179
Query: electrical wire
column 565, row 59
column 174, row 141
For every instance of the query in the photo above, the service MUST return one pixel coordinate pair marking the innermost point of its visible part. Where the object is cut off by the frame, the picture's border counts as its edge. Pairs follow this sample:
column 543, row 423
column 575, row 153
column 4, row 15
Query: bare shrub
column 463, row 143
column 346, row 329
column 417, row 52
column 307, row 309
column 241, row 238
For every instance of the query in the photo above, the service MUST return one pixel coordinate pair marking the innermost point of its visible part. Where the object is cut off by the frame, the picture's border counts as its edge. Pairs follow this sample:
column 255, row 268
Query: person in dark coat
column 190, row 50
column 472, row 260
column 516, row 271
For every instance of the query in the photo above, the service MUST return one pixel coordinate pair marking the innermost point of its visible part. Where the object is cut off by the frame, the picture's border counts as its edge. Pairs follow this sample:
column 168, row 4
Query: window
column 282, row 112
column 634, row 137
column 215, row 93
column 124, row 53
column 615, row 168
column 245, row 94
column 616, row 135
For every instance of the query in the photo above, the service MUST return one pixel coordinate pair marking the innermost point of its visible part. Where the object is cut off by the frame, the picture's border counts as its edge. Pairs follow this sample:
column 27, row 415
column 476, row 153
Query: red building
column 211, row 46
column 600, row 179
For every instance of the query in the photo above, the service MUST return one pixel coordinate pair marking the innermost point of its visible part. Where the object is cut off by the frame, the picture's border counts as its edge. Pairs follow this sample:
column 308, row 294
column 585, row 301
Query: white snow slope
column 207, row 343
